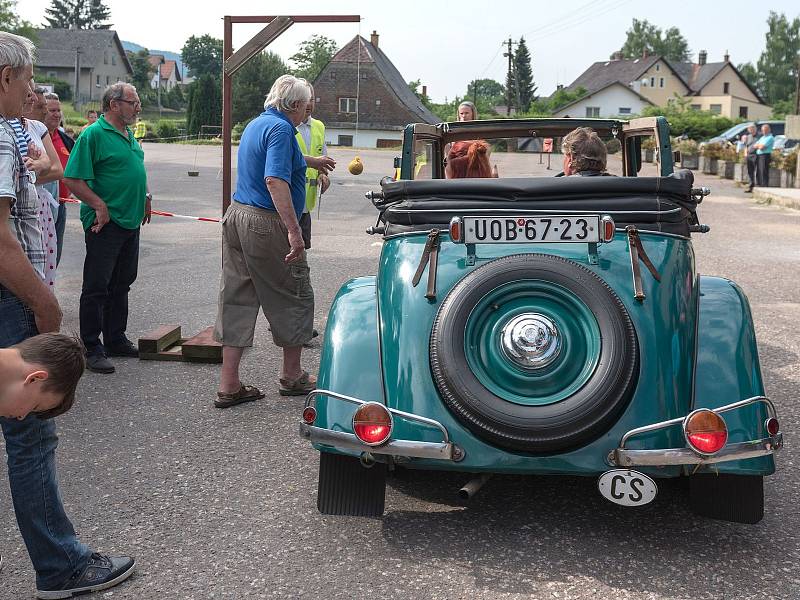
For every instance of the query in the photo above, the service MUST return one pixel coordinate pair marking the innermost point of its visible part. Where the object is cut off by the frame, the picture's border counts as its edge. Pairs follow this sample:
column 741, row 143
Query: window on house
column 726, row 88
column 97, row 81
column 624, row 110
column 105, row 58
column 52, row 74
column 592, row 111
column 715, row 108
column 113, row 59
column 345, row 140
column 333, row 76
column 348, row 105
column 108, row 79
column 695, row 107
column 742, row 112
column 652, row 82
column 658, row 67
column 377, row 102
column 660, row 82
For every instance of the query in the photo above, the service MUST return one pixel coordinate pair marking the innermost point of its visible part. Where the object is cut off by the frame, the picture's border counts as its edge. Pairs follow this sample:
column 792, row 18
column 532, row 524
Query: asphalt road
column 221, row 504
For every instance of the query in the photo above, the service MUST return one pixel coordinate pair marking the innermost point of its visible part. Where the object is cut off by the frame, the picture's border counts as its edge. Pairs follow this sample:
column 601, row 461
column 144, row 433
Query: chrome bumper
column 444, row 450
column 623, row 457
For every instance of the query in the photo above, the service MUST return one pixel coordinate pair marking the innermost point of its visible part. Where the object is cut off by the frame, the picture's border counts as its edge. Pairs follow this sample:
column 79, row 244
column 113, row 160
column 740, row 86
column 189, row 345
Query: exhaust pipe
column 473, row 486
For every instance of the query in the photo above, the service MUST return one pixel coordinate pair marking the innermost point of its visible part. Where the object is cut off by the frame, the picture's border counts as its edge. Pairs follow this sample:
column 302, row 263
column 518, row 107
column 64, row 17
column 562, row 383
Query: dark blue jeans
column 31, row 443
column 61, row 222
column 110, row 268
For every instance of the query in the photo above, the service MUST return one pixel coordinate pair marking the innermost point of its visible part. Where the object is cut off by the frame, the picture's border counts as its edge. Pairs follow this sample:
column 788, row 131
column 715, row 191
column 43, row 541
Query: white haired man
column 64, row 567
column 263, row 253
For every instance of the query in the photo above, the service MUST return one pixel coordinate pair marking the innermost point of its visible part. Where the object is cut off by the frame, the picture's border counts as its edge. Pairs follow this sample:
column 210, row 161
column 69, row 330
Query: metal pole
column 227, row 99
column 77, row 98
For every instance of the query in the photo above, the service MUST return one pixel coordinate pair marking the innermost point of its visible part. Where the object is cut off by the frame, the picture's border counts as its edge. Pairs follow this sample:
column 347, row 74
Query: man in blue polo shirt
column 263, row 254
column 763, row 155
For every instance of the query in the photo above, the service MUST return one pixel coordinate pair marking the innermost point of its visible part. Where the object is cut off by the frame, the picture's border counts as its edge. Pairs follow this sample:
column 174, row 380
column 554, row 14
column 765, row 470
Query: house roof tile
column 56, row 47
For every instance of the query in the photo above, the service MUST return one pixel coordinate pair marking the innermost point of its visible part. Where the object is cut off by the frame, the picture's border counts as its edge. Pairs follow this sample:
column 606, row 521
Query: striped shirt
column 23, row 137
column 16, row 185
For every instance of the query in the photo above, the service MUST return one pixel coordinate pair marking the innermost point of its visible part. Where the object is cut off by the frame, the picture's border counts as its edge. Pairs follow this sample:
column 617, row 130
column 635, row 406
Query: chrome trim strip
column 412, row 417
column 348, row 441
column 425, row 232
column 685, row 456
column 468, row 211
column 728, row 407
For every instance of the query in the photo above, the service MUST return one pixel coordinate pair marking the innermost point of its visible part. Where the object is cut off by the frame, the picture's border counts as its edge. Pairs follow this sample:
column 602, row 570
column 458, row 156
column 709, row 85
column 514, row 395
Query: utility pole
column 77, row 99
column 797, row 89
column 510, row 56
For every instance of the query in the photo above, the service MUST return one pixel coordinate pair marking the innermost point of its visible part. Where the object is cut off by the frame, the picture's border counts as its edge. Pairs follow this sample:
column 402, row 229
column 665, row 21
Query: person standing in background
column 63, row 145
column 311, row 139
column 106, row 172
column 763, row 155
column 750, row 139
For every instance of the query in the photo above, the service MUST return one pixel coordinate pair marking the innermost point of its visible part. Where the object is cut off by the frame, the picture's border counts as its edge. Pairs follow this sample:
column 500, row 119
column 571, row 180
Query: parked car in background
column 542, row 325
column 733, row 134
column 784, row 144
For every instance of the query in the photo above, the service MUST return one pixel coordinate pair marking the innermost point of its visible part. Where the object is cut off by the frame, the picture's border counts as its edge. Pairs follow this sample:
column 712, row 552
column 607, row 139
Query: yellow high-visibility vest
column 140, row 131
column 317, row 144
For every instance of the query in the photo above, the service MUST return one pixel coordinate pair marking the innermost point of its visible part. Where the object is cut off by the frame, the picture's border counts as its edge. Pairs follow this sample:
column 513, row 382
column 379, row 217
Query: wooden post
column 227, row 98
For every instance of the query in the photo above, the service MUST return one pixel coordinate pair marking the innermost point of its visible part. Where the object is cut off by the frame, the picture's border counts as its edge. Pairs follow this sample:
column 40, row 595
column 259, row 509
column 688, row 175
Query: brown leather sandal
column 297, row 387
column 246, row 393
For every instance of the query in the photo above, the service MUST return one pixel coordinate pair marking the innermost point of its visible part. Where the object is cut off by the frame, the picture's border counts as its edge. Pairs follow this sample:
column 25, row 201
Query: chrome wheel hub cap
column 531, row 341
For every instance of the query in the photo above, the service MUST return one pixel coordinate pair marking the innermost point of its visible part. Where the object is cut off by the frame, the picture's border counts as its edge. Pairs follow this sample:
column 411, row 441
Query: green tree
column 486, row 91
column 174, row 98
column 643, row 37
column 206, row 104
column 313, row 55
column 142, row 69
column 559, row 98
column 252, row 82
column 11, row 22
column 777, row 66
column 81, row 14
column 523, row 77
column 203, row 56
column 414, row 87
column 749, row 73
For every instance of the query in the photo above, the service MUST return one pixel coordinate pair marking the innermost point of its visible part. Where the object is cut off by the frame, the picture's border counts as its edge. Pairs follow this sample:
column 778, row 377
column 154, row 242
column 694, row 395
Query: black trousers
column 762, row 171
column 751, row 170
column 110, row 268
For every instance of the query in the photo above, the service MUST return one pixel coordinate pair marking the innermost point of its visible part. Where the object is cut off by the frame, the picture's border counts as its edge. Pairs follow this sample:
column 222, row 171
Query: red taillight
column 607, row 229
column 372, row 423
column 772, row 425
column 455, row 229
column 705, row 431
column 309, row 414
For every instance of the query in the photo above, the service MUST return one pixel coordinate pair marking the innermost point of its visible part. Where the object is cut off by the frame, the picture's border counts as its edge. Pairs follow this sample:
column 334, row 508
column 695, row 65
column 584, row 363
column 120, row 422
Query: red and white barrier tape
column 160, row 213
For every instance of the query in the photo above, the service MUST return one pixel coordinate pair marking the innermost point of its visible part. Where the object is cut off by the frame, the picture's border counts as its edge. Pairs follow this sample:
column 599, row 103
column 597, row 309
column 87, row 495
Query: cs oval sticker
column 626, row 487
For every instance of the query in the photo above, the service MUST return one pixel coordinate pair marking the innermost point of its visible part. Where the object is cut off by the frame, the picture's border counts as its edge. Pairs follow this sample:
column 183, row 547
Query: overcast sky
column 447, row 44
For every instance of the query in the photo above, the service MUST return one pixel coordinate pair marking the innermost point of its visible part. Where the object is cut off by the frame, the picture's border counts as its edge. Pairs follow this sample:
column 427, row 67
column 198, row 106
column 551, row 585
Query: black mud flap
column 735, row 498
column 348, row 488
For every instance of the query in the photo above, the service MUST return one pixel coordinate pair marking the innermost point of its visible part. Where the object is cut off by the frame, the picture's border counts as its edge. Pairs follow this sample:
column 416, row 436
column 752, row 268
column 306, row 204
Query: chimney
column 373, row 39
column 424, row 91
column 560, row 86
column 701, row 58
column 644, row 53
column 727, row 57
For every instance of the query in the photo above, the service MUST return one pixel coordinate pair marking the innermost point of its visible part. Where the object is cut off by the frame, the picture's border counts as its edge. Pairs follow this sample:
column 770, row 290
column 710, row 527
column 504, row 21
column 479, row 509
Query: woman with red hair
column 468, row 159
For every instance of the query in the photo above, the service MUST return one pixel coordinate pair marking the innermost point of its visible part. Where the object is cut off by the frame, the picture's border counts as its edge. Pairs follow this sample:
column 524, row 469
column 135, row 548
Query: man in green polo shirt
column 106, row 172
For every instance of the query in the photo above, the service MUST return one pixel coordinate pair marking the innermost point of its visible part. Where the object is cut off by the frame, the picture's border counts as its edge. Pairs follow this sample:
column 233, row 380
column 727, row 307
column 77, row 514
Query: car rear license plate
column 627, row 487
column 516, row 230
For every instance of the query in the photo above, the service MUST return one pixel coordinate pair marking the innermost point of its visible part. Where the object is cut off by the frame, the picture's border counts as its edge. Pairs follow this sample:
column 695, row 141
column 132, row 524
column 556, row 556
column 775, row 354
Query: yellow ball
column 356, row 166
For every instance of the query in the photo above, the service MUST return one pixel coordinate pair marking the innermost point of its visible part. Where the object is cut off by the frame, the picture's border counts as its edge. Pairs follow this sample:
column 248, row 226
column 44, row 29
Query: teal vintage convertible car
column 560, row 327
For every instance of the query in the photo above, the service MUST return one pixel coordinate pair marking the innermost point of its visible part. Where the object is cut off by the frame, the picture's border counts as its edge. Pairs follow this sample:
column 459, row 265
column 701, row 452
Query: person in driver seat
column 584, row 153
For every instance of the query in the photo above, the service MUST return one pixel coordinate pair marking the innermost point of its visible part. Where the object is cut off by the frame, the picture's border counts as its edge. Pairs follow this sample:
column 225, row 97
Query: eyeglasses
column 134, row 103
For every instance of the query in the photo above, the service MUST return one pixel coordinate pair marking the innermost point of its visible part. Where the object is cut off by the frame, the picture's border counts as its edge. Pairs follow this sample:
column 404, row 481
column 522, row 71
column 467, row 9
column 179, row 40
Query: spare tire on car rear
column 534, row 353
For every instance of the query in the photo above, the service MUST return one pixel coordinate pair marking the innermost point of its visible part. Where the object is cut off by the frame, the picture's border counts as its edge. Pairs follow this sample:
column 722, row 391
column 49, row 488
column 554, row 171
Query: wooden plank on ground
column 159, row 339
column 174, row 353
column 203, row 348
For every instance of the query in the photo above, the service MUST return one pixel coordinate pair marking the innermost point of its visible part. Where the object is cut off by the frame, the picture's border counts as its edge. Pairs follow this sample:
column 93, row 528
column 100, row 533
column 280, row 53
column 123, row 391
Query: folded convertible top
column 651, row 203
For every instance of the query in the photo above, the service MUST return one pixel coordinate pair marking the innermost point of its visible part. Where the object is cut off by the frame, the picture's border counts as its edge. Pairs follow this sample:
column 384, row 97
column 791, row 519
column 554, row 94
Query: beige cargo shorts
column 254, row 275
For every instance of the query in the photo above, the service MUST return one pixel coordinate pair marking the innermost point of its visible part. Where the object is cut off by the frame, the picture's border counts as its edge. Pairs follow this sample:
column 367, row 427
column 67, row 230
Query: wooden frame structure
column 232, row 62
